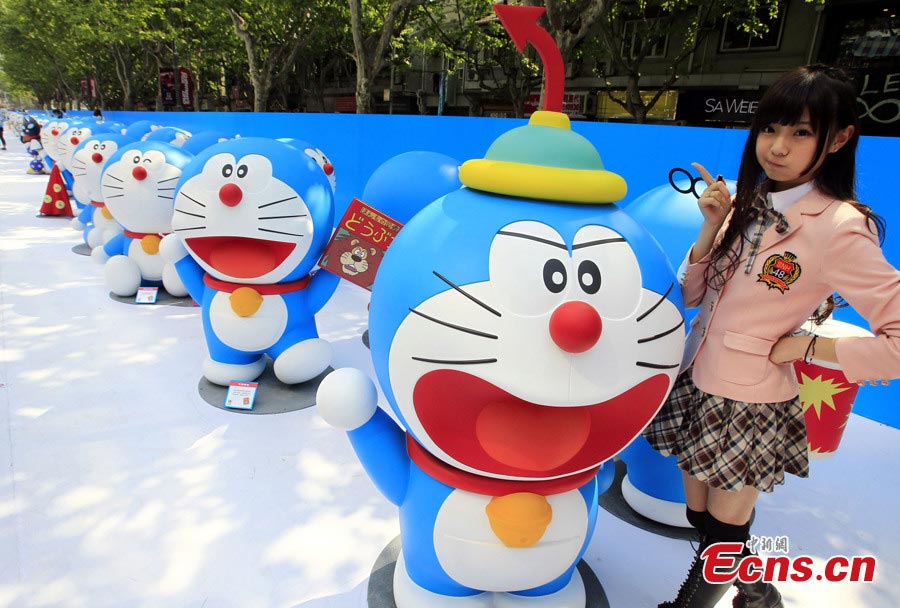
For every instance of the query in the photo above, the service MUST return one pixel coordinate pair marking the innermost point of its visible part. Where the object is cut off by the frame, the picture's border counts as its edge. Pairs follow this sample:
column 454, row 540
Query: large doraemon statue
column 523, row 330
column 88, row 161
column 252, row 217
column 138, row 185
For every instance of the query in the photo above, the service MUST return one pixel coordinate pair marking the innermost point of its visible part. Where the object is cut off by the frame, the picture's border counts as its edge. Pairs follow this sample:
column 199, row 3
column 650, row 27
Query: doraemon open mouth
column 491, row 430
column 240, row 257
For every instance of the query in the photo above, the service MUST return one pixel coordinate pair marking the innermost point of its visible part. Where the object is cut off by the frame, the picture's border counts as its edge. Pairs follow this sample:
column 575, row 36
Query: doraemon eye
column 136, row 159
column 153, row 160
column 529, row 267
column 589, row 277
column 555, row 275
column 255, row 172
column 227, row 170
column 609, row 277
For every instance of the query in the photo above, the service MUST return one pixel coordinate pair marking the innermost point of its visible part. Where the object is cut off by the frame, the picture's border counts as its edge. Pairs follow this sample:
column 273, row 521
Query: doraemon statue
column 524, row 330
column 138, row 185
column 88, row 160
column 171, row 135
column 252, row 217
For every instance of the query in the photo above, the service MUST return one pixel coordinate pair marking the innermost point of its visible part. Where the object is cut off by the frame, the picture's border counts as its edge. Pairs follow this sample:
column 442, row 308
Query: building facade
column 718, row 85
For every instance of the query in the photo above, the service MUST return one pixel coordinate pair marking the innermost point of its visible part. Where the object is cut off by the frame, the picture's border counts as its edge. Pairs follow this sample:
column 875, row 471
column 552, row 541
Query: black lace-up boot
column 696, row 591
column 756, row 595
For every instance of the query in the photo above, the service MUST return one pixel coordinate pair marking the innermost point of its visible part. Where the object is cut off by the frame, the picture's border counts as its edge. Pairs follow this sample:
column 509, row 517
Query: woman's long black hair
column 829, row 95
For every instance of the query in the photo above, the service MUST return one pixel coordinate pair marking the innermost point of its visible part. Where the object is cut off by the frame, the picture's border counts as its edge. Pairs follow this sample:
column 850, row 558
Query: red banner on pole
column 92, row 84
column 186, row 87
column 168, row 86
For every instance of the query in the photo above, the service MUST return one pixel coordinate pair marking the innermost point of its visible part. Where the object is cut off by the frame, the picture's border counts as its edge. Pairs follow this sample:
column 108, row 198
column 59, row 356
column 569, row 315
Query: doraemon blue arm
column 137, row 185
column 252, row 217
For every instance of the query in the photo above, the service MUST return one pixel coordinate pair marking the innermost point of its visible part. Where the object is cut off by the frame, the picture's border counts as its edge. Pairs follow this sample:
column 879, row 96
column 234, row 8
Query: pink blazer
column 828, row 248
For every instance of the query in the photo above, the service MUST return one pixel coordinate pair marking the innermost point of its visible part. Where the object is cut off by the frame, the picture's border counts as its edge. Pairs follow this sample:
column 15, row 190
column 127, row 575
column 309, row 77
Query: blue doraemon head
column 200, row 141
column 88, row 160
column 138, row 184
column 525, row 337
column 170, row 135
column 254, row 210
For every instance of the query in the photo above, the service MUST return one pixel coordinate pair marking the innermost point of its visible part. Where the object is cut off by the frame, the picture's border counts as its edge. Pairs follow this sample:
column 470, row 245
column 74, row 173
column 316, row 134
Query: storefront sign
column 573, row 104
column 717, row 106
column 878, row 101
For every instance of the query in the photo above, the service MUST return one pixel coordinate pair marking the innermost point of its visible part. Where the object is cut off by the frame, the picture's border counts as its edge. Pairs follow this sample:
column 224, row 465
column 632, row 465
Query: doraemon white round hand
column 347, row 398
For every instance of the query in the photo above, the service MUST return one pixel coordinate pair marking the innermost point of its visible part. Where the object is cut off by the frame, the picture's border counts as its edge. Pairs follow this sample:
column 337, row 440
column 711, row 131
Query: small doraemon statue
column 88, row 160
column 252, row 217
column 524, row 330
column 138, row 185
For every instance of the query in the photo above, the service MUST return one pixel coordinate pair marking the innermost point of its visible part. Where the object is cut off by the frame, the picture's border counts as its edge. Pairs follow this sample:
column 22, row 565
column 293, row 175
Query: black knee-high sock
column 720, row 531
column 696, row 519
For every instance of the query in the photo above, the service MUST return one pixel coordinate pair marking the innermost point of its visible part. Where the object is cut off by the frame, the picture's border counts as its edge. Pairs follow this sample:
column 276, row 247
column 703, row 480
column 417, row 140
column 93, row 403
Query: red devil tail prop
column 56, row 199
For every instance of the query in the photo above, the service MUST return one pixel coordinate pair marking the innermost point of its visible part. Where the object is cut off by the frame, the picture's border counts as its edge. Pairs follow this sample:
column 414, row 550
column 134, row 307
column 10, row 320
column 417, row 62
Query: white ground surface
column 121, row 487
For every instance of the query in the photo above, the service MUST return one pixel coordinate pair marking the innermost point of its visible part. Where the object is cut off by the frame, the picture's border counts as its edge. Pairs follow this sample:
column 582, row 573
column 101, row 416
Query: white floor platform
column 121, row 487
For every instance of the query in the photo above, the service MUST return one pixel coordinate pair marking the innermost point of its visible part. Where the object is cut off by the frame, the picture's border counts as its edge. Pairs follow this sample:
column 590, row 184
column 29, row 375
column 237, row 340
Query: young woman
column 761, row 265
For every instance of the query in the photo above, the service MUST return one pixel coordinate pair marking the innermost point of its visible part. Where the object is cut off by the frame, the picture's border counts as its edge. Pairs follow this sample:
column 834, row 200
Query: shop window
column 736, row 39
column 634, row 32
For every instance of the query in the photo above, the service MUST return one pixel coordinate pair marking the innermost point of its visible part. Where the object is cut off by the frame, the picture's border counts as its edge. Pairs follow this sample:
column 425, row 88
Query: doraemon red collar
column 263, row 290
column 489, row 486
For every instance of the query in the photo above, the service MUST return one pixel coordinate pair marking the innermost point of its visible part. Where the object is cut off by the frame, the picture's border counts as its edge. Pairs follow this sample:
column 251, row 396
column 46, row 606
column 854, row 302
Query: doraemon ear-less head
column 254, row 210
column 170, row 135
column 89, row 158
column 317, row 155
column 138, row 184
column 139, row 129
column 198, row 142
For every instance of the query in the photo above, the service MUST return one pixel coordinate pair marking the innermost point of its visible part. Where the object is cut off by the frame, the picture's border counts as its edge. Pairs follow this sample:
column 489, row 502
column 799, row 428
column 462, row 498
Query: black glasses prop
column 692, row 189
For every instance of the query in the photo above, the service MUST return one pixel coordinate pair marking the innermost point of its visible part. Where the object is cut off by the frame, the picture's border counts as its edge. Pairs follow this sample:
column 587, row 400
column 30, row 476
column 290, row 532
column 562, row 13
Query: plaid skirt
column 730, row 444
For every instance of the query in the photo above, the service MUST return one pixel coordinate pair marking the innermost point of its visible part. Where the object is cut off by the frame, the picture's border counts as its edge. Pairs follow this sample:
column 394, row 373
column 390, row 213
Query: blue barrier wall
column 642, row 154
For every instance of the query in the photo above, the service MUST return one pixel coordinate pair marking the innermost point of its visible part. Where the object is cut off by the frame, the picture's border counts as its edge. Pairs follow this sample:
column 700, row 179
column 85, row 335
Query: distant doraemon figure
column 523, row 330
column 252, row 217
column 317, row 155
column 138, row 185
column 49, row 134
column 170, row 135
column 200, row 141
column 87, row 163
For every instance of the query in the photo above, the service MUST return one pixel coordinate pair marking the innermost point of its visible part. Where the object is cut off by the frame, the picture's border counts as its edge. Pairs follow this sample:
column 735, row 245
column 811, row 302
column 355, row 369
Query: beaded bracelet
column 810, row 350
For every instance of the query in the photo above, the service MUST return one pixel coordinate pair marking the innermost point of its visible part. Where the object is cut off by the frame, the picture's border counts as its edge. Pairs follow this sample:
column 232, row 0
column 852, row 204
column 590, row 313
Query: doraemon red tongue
column 240, row 257
column 484, row 427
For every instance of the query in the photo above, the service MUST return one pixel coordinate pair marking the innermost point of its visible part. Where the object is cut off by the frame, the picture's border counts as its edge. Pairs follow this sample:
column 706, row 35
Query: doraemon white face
column 87, row 168
column 49, row 135
column 546, row 369
column 138, row 189
column 325, row 164
column 68, row 141
column 241, row 223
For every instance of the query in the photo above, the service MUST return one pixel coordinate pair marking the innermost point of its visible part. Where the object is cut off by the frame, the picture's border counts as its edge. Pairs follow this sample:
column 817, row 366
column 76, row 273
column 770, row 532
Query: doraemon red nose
column 97, row 157
column 231, row 195
column 139, row 173
column 575, row 327
column 75, row 141
column 54, row 132
column 328, row 168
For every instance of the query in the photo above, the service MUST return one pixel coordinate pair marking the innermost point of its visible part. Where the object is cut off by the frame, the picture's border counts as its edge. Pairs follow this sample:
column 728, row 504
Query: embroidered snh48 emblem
column 780, row 271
